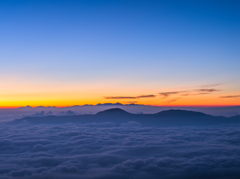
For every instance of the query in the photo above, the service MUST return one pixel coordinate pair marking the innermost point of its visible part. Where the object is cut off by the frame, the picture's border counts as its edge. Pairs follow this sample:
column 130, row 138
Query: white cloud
column 128, row 151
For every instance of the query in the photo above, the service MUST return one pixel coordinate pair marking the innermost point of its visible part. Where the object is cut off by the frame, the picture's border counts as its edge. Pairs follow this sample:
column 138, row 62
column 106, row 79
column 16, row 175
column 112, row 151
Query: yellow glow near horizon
column 66, row 99
column 17, row 92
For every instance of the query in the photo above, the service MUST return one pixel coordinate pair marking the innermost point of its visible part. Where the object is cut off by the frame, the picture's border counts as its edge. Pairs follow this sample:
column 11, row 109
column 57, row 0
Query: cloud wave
column 130, row 97
column 231, row 96
column 201, row 91
column 109, row 151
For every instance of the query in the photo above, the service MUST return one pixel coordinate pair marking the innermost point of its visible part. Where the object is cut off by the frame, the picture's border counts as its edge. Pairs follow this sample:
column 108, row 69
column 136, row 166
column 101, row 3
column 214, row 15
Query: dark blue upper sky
column 162, row 44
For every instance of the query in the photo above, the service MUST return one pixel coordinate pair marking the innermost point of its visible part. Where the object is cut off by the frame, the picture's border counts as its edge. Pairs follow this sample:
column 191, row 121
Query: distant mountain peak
column 27, row 107
column 109, row 104
column 178, row 112
column 113, row 111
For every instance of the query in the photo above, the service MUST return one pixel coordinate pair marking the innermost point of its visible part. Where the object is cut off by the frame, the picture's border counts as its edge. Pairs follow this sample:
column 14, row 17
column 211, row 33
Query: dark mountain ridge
column 178, row 112
column 113, row 112
column 119, row 116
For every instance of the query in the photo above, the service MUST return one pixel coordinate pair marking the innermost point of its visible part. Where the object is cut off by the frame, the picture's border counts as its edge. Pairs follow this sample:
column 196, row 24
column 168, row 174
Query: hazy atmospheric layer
column 11, row 114
column 129, row 151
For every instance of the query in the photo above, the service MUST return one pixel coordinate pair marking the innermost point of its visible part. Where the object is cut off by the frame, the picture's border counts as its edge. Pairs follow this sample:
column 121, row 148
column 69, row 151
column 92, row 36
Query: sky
column 163, row 53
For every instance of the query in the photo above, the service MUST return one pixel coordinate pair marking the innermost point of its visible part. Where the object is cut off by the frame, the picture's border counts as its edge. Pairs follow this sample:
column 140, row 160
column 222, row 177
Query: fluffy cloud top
column 129, row 151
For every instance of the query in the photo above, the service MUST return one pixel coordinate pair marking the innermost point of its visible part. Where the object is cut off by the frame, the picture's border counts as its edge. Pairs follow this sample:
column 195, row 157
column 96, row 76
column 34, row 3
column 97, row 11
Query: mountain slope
column 118, row 116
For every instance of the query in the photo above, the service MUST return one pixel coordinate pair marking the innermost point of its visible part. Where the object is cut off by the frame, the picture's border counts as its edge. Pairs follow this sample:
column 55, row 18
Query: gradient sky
column 62, row 53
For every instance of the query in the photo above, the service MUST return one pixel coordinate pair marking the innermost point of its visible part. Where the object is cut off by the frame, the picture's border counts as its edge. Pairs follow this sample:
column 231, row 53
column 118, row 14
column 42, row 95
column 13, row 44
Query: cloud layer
column 167, row 94
column 129, row 151
column 200, row 91
column 130, row 97
column 231, row 96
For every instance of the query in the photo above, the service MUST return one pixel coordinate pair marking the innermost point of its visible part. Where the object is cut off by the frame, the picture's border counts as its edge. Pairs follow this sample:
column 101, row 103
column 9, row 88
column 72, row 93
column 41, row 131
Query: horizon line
column 194, row 106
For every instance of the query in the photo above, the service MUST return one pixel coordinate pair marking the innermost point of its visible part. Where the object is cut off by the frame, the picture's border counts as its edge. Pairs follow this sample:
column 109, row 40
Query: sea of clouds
column 128, row 151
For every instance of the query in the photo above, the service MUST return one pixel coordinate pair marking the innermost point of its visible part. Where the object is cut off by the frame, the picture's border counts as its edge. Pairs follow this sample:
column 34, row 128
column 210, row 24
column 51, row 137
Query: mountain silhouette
column 235, row 117
column 119, row 116
column 113, row 112
column 182, row 113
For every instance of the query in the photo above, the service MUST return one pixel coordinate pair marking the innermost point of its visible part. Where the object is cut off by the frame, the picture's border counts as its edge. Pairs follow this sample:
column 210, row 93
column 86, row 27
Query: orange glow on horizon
column 179, row 105
column 191, row 101
column 15, row 95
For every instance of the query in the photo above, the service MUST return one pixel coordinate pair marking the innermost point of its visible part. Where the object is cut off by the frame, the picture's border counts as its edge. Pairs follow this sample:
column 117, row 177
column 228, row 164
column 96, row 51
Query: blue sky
column 152, row 45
